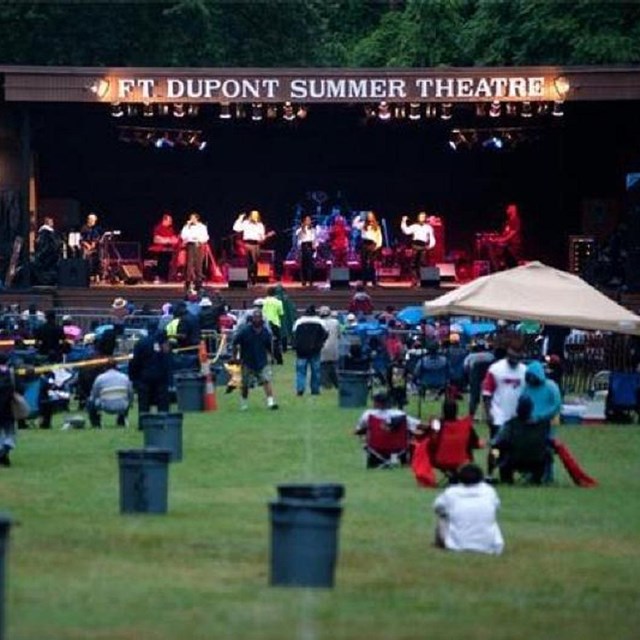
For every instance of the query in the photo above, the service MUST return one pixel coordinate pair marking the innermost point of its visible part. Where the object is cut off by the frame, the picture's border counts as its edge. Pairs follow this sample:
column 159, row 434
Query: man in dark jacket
column 150, row 372
column 50, row 339
column 309, row 334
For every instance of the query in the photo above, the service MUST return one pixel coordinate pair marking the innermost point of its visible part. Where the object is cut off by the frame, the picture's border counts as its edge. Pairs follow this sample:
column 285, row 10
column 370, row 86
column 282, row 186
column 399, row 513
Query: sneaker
column 274, row 406
column 300, row 393
column 271, row 403
column 4, row 457
column 243, row 406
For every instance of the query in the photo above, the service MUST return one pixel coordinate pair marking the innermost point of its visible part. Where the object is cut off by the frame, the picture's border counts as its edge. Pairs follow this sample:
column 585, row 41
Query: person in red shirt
column 339, row 240
column 165, row 241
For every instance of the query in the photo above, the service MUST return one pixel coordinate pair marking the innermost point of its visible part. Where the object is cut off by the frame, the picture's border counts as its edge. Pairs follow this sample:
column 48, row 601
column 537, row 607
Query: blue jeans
column 313, row 364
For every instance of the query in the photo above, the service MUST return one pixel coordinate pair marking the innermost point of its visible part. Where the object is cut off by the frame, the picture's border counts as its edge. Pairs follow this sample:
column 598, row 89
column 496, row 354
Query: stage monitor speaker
column 73, row 272
column 238, row 277
column 429, row 277
column 339, row 277
column 447, row 271
column 130, row 273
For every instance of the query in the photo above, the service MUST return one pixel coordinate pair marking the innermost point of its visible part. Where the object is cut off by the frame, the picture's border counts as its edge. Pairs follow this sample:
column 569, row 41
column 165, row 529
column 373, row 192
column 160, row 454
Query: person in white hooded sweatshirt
column 467, row 515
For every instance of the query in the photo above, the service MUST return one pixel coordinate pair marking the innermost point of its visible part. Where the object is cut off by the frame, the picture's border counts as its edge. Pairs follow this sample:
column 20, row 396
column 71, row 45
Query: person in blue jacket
column 543, row 392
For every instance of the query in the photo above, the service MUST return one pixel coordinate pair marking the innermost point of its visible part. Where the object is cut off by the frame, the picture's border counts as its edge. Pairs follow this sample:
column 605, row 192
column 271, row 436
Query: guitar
column 88, row 247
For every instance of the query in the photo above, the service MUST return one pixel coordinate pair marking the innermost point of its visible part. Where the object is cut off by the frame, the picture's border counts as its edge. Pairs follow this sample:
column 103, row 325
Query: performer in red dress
column 165, row 243
column 339, row 240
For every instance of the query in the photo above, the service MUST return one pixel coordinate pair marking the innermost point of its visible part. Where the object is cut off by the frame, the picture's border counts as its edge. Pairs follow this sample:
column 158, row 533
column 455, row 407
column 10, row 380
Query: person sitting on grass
column 467, row 515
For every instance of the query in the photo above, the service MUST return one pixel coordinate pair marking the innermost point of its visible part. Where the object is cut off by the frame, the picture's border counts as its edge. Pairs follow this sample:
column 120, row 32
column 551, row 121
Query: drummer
column 165, row 241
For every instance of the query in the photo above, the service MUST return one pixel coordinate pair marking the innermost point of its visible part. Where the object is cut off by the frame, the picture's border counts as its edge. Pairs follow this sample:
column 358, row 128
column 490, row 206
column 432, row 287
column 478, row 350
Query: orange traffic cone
column 210, row 402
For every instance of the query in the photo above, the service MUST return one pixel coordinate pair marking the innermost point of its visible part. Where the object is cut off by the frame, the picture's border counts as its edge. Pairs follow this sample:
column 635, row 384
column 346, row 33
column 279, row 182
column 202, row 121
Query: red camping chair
column 387, row 442
column 451, row 447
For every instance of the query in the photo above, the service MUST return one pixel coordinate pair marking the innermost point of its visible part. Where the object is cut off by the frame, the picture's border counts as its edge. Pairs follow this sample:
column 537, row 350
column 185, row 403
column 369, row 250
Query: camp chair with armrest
column 527, row 452
column 387, row 442
column 451, row 446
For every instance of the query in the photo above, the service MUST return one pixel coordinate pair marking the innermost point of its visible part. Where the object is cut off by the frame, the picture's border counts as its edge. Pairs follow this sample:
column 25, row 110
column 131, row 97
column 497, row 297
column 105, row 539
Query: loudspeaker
column 130, row 273
column 238, row 277
column 73, row 272
column 429, row 277
column 447, row 271
column 339, row 277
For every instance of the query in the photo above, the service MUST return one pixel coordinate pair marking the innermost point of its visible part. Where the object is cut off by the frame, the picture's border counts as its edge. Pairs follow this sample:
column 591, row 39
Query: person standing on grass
column 467, row 515
column 330, row 349
column 150, row 371
column 273, row 311
column 254, row 343
column 309, row 335
column 7, row 421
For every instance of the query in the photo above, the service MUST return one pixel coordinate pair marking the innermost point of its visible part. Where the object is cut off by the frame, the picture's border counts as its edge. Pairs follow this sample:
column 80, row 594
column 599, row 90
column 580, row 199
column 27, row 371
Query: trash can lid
column 148, row 453
column 320, row 492
column 5, row 522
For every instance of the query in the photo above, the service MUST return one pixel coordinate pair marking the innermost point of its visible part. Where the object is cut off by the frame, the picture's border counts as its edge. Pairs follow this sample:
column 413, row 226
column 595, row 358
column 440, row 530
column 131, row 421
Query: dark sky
column 391, row 167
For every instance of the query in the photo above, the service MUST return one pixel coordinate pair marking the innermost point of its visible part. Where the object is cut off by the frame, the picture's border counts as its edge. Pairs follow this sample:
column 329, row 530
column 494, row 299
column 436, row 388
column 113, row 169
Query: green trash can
column 190, row 391
column 5, row 525
column 304, row 535
column 163, row 431
column 353, row 388
column 144, row 480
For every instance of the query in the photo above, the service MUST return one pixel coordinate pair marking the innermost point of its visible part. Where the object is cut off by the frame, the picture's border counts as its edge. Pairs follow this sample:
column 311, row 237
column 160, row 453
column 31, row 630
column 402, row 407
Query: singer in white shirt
column 253, row 235
column 194, row 235
column 423, row 239
column 306, row 235
column 371, row 241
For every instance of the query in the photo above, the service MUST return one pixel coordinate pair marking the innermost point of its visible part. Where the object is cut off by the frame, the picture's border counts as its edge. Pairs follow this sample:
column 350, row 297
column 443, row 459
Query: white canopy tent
column 540, row 293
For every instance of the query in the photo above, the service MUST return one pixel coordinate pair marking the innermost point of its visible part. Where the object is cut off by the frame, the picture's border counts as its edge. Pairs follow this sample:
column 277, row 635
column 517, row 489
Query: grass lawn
column 79, row 570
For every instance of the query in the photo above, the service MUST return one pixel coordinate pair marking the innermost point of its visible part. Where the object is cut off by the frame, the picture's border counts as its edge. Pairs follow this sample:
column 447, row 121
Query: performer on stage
column 165, row 241
column 371, row 241
column 90, row 235
column 423, row 239
column 339, row 241
column 253, row 235
column 306, row 238
column 195, row 236
column 505, row 248
column 48, row 251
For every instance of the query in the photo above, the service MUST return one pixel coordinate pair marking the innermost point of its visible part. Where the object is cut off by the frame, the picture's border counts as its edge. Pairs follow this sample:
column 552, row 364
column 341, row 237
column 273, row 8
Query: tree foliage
column 302, row 33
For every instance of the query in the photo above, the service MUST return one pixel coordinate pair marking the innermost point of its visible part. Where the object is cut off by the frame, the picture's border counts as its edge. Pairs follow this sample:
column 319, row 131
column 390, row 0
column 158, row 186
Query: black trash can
column 190, row 391
column 144, row 480
column 5, row 525
column 304, row 535
column 163, row 431
column 353, row 389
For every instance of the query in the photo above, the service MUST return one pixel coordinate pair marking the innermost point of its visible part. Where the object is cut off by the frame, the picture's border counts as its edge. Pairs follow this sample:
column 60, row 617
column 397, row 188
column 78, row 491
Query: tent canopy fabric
column 540, row 293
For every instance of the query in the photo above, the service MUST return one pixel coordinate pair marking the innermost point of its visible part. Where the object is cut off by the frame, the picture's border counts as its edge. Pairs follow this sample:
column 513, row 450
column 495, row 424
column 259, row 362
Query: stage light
column 369, row 111
column 458, row 140
column 163, row 109
column 132, row 111
column 256, row 111
column 496, row 109
column 164, row 142
column 241, row 112
column 543, row 109
column 116, row 110
column 558, row 109
column 302, row 112
column 430, row 110
column 178, row 110
column 445, row 111
column 288, row 113
column 272, row 112
column 384, row 112
column 225, row 111
column 99, row 87
column 193, row 110
column 562, row 86
column 525, row 111
column 414, row 111
column 493, row 142
column 512, row 109
column 147, row 110
column 482, row 109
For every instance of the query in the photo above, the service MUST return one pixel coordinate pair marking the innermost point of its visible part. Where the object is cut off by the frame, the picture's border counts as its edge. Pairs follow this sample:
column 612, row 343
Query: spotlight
column 116, row 110
column 414, row 111
column 147, row 110
column 558, row 109
column 272, row 112
column 241, row 111
column 147, row 139
column 495, row 109
column 384, row 112
column 562, row 86
column 287, row 112
column 163, row 109
column 302, row 112
column 399, row 112
column 445, row 111
column 178, row 110
column 430, row 110
column 99, row 87
column 369, row 111
column 193, row 110
column 482, row 109
column 132, row 111
column 543, row 109
column 526, row 112
column 225, row 111
column 164, row 142
column 196, row 141
column 512, row 109
column 493, row 142
column 457, row 140
column 256, row 111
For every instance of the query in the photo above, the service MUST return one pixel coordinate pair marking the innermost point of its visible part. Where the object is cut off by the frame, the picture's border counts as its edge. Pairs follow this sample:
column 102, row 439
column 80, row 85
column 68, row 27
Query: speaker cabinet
column 73, row 272
column 429, row 277
column 447, row 271
column 130, row 273
column 339, row 277
column 238, row 277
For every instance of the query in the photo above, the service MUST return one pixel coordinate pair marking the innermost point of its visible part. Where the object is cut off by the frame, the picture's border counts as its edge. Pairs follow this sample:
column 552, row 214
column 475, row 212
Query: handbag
column 20, row 407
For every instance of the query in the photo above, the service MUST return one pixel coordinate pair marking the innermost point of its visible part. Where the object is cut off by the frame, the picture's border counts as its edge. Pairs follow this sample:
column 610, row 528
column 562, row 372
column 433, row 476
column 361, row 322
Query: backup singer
column 90, row 234
column 371, row 241
column 253, row 235
column 423, row 239
column 195, row 236
column 505, row 248
column 165, row 241
column 339, row 241
column 306, row 237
